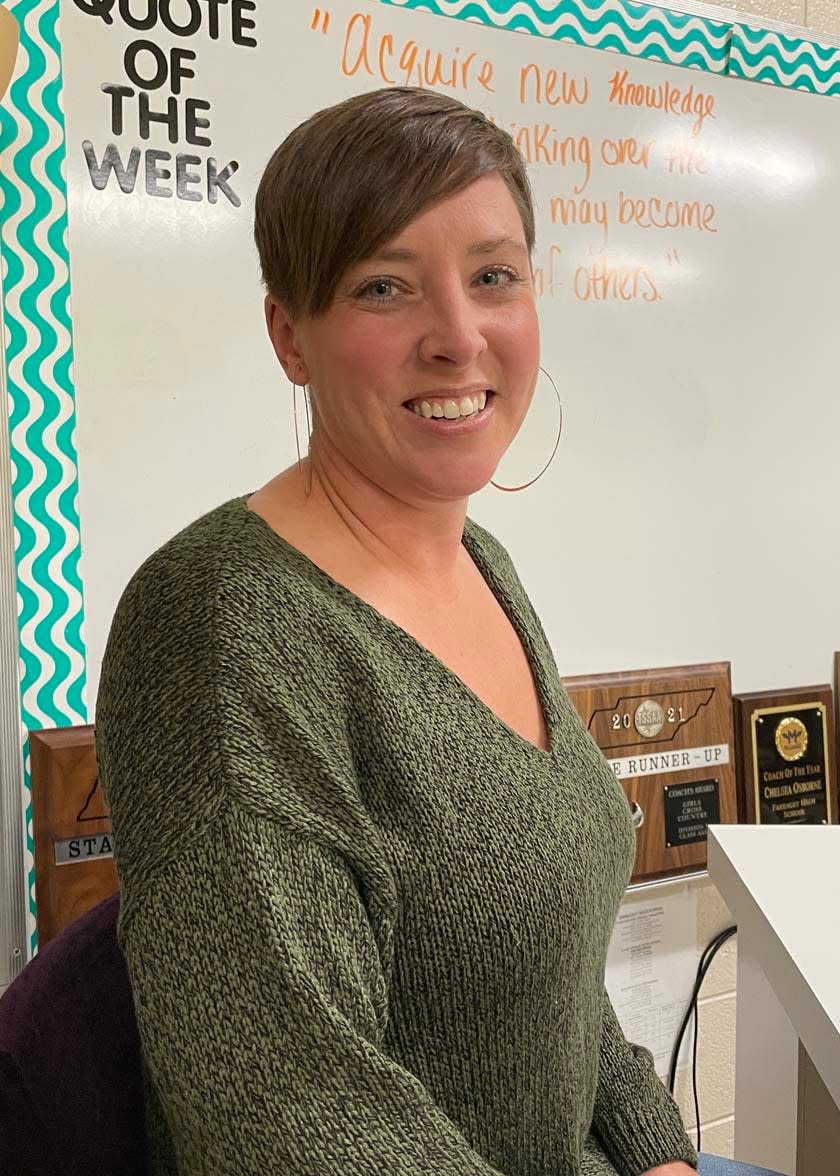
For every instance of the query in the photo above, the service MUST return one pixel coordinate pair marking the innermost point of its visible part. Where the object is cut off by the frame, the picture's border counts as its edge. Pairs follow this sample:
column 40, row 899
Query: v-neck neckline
column 505, row 599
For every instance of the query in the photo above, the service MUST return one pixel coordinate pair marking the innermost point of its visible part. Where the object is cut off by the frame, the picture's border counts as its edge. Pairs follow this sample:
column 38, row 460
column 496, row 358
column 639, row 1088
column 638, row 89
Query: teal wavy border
column 739, row 50
column 41, row 397
column 764, row 55
column 639, row 30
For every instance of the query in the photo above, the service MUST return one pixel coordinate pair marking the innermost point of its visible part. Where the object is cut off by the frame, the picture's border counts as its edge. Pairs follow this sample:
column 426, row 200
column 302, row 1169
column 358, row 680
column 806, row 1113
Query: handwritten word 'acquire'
column 665, row 97
column 378, row 55
column 182, row 18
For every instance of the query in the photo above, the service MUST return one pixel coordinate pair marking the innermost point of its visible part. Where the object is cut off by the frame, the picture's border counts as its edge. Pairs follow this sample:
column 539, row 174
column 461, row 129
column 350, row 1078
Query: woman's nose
column 453, row 332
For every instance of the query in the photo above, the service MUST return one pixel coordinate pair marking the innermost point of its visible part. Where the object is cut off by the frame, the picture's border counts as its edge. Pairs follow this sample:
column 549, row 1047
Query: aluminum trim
column 13, row 954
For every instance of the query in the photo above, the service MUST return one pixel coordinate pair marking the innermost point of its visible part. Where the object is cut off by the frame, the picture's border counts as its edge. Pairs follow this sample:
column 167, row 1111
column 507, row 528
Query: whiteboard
column 689, row 513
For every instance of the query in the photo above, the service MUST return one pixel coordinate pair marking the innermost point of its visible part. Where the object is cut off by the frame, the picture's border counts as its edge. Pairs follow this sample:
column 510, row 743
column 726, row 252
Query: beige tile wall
column 716, row 1044
column 823, row 16
column 790, row 11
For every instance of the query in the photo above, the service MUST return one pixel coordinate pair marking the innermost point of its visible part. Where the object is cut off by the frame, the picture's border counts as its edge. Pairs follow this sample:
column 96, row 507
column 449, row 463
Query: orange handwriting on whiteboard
column 684, row 159
column 540, row 143
column 551, row 87
column 407, row 63
column 606, row 281
column 567, row 210
column 665, row 97
column 653, row 213
column 615, row 152
column 547, row 277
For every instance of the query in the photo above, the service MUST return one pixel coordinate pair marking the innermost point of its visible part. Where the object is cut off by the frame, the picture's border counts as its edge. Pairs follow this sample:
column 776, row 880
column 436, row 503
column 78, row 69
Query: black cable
column 694, row 1074
column 706, row 958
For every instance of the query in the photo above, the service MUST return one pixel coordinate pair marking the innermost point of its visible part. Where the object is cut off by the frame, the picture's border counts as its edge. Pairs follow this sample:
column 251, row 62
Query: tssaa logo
column 791, row 738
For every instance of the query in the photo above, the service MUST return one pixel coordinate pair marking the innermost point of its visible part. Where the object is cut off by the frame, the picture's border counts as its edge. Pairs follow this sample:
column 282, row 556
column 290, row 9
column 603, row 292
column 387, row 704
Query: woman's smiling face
column 443, row 310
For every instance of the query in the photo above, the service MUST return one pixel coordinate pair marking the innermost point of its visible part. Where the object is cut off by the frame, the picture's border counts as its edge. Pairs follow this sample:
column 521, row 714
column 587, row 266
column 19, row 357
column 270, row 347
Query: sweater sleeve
column 257, row 913
column 261, row 1011
column 635, row 1118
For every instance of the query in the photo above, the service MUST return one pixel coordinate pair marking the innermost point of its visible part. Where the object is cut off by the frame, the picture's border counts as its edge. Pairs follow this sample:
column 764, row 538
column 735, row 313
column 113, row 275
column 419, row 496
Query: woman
column 370, row 858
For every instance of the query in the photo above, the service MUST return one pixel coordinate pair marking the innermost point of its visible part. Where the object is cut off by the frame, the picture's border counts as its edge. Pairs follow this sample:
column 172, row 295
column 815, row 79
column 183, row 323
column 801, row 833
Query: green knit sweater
column 365, row 921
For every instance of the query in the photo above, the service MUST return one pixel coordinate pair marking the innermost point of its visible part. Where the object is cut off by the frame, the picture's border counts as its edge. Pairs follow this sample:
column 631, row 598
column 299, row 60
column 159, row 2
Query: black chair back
column 71, row 1082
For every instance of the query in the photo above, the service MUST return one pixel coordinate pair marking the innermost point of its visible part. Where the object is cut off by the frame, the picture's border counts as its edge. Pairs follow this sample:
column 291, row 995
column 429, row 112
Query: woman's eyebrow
column 488, row 246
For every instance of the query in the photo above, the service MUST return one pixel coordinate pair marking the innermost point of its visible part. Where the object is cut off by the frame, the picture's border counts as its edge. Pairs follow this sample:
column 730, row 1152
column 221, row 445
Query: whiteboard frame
column 13, row 879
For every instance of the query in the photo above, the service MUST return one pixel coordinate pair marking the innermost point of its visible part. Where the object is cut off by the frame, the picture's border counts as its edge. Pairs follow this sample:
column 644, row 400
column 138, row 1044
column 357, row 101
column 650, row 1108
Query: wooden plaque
column 667, row 734
column 74, row 866
column 9, row 46
column 786, row 756
column 836, row 707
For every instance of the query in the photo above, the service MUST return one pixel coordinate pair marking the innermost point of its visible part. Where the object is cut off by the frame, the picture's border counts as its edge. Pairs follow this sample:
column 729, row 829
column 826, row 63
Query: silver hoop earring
column 513, row 489
column 295, row 386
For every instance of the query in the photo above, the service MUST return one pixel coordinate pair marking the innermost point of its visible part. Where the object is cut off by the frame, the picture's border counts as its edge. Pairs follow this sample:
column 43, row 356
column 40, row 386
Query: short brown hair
column 352, row 176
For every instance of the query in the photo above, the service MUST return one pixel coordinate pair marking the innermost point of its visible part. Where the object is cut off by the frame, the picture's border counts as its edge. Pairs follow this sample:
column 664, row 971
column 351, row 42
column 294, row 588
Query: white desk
column 782, row 886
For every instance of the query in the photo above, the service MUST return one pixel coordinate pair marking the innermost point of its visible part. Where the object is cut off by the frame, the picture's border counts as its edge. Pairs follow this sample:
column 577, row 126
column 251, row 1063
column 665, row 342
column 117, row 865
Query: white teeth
column 451, row 409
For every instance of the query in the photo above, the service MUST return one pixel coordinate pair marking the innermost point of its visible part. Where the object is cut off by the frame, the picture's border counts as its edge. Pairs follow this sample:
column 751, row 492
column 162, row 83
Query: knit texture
column 365, row 921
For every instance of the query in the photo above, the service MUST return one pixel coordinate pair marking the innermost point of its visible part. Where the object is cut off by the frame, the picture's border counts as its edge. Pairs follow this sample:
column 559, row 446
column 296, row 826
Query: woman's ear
column 281, row 331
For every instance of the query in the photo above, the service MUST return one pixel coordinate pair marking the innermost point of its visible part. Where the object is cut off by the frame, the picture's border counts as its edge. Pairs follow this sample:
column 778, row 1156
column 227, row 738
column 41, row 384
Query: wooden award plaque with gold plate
column 74, row 866
column 667, row 734
column 786, row 756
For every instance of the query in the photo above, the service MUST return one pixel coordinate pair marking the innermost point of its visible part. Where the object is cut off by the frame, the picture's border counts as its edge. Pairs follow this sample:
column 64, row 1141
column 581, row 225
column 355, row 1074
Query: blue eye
column 492, row 272
column 366, row 290
column 496, row 272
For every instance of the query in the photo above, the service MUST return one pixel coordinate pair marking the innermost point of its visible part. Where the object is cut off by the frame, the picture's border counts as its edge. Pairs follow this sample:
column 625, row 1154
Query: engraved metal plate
column 74, row 850
column 689, row 810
